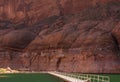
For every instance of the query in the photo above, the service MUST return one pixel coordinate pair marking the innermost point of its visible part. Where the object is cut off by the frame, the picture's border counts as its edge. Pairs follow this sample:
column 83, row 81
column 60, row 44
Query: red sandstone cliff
column 31, row 11
column 64, row 35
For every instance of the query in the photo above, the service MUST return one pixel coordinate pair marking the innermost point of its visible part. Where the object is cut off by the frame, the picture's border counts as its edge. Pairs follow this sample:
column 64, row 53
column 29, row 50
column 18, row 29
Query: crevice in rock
column 58, row 63
column 32, row 59
column 116, row 44
column 60, row 8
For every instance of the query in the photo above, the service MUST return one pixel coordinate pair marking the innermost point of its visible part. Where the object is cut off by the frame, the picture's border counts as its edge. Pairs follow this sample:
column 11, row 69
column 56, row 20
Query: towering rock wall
column 26, row 10
column 86, row 41
column 17, row 10
column 75, row 6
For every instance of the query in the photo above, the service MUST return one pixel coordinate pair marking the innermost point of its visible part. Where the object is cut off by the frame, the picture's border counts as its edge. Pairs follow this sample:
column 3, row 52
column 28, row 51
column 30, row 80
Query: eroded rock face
column 75, row 6
column 29, row 11
column 116, row 33
column 17, row 39
column 87, row 43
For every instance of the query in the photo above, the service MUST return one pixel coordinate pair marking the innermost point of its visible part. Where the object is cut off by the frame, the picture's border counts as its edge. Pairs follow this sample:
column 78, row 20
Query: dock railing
column 87, row 77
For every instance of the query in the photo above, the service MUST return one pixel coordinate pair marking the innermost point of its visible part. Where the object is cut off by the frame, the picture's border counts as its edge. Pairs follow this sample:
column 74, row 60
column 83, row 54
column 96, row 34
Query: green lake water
column 37, row 77
column 114, row 77
column 29, row 78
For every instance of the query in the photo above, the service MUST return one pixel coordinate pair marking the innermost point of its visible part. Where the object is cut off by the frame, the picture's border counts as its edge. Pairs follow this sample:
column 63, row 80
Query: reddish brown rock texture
column 31, row 11
column 63, row 35
column 26, row 10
